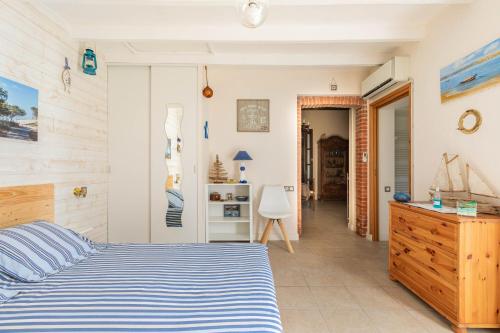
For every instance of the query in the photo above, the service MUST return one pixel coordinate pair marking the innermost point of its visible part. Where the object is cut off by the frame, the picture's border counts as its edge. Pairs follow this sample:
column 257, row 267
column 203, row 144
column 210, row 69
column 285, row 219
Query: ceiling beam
column 352, row 59
column 273, row 2
column 237, row 33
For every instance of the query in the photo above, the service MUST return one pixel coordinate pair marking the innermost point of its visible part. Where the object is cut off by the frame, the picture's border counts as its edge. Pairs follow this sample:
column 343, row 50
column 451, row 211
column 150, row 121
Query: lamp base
column 243, row 178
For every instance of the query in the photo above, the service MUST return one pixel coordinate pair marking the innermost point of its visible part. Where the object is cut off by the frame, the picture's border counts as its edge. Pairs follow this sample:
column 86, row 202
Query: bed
column 146, row 288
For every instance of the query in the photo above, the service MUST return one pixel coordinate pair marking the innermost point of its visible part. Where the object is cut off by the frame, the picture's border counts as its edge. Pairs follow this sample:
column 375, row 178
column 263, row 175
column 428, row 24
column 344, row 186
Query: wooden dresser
column 449, row 261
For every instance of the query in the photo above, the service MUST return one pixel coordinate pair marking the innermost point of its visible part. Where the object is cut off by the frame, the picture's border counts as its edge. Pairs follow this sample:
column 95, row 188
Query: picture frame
column 253, row 115
column 18, row 111
column 476, row 71
column 231, row 210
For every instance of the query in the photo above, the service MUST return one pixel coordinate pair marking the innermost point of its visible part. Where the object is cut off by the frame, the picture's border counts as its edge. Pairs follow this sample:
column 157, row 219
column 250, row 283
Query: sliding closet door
column 173, row 154
column 128, row 148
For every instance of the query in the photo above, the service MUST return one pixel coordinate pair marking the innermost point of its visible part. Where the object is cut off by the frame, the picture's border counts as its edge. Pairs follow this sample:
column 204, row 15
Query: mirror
column 173, row 162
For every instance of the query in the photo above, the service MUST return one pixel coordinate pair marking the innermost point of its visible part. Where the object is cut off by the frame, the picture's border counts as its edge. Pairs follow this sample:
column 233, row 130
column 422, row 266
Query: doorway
column 328, row 165
column 358, row 136
column 325, row 158
column 390, row 152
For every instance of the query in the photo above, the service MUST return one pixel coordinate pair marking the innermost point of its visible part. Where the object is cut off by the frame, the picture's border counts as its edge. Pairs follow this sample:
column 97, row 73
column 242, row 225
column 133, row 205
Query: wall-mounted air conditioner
column 395, row 70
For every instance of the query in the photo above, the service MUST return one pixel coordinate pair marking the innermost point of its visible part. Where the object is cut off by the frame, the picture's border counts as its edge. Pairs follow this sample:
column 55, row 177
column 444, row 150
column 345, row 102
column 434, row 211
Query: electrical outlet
column 387, row 188
column 289, row 188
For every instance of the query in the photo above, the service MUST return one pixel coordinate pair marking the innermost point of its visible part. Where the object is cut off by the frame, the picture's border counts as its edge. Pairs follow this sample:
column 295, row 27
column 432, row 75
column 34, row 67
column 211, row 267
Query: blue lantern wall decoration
column 89, row 62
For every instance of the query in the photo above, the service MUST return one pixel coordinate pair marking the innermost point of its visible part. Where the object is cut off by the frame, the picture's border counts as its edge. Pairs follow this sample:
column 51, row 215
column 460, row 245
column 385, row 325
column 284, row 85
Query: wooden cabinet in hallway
column 334, row 167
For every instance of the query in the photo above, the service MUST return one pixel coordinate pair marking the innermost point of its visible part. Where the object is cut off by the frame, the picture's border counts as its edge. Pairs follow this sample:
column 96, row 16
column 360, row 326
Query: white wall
column 72, row 146
column 453, row 35
column 275, row 153
column 325, row 123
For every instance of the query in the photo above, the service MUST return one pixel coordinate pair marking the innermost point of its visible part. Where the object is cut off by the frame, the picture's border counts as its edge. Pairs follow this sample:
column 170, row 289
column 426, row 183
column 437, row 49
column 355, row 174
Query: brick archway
column 358, row 104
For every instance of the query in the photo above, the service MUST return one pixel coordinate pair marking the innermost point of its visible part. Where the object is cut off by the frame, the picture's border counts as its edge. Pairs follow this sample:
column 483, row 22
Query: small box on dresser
column 451, row 262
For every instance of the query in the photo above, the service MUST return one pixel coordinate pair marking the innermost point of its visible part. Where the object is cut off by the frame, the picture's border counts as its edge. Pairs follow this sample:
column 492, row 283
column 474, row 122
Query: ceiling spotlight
column 252, row 12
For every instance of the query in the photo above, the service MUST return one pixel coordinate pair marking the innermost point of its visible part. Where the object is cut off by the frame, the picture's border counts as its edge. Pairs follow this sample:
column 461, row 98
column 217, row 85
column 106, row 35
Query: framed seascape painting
column 473, row 72
column 253, row 115
column 18, row 111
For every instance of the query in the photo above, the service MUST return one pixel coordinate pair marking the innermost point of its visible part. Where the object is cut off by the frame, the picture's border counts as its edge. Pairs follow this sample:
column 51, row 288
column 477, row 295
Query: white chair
column 275, row 207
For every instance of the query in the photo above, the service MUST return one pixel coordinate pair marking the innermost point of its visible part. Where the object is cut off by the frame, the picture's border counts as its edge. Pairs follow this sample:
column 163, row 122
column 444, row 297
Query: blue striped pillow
column 5, row 295
column 79, row 246
column 31, row 252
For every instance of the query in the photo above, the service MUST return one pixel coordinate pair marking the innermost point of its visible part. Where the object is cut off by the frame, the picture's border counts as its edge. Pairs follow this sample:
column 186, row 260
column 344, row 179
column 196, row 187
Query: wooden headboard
column 25, row 204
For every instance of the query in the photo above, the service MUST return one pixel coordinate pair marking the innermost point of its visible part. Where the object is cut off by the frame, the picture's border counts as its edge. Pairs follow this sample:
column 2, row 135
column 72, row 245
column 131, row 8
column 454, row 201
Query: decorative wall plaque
column 253, row 115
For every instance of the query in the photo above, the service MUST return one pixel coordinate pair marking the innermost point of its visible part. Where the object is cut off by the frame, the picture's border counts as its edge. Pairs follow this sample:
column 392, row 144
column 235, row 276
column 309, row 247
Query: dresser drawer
column 437, row 294
column 441, row 234
column 435, row 261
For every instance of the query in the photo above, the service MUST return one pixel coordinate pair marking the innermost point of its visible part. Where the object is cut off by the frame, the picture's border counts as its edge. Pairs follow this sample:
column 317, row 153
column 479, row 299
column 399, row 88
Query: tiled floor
column 336, row 282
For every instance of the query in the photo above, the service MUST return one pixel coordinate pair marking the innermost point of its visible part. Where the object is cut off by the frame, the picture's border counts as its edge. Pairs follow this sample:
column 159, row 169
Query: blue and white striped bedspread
column 152, row 288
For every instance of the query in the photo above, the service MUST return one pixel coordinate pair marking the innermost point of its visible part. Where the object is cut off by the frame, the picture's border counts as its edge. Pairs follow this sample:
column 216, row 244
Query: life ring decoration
column 478, row 119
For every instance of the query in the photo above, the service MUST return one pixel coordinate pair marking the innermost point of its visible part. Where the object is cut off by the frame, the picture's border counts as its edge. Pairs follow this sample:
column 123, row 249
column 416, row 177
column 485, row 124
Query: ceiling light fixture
column 253, row 12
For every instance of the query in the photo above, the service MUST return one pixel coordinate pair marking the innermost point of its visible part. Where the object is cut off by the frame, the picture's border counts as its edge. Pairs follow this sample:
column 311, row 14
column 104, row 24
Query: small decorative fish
column 66, row 76
column 205, row 128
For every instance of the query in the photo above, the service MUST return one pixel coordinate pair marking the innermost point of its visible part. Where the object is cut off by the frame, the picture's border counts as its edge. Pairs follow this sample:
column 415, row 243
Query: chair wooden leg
column 267, row 232
column 285, row 236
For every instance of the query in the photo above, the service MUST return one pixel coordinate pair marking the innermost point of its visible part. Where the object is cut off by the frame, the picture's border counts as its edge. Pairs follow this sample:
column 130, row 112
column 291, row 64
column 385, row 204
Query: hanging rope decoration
column 475, row 126
column 207, row 91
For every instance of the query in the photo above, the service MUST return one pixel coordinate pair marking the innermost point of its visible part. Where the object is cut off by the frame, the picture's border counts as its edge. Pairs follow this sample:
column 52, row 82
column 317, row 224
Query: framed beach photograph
column 473, row 72
column 231, row 210
column 18, row 111
column 253, row 115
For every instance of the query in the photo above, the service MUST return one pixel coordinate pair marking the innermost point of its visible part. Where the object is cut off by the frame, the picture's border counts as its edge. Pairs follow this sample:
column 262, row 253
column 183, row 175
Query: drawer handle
column 401, row 219
column 407, row 250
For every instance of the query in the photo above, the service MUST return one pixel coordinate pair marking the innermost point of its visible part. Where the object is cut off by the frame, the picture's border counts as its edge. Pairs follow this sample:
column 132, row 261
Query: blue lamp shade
column 242, row 156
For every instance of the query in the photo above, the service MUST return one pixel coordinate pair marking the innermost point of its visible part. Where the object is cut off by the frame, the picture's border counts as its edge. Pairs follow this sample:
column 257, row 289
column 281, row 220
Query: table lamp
column 242, row 156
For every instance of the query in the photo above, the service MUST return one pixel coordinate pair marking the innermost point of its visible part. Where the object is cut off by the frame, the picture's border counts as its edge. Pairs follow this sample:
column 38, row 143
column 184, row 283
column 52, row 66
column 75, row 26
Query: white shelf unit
column 228, row 229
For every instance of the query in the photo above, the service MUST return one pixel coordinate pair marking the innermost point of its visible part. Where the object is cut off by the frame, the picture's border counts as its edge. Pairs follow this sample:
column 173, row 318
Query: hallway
column 337, row 282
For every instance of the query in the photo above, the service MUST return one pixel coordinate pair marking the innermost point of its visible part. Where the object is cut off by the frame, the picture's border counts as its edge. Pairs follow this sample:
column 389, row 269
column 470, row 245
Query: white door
column 393, row 158
column 173, row 154
column 385, row 168
column 128, row 149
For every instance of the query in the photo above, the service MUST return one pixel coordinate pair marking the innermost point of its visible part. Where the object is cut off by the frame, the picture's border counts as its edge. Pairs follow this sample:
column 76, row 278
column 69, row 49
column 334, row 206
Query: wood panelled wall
column 72, row 146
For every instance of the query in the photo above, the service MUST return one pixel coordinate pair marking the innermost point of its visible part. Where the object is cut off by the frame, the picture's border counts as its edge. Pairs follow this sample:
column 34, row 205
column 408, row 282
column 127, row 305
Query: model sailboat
column 456, row 185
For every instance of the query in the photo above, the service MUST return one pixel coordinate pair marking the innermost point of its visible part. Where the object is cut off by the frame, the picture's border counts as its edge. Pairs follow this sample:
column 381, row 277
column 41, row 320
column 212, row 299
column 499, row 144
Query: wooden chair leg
column 285, row 236
column 267, row 232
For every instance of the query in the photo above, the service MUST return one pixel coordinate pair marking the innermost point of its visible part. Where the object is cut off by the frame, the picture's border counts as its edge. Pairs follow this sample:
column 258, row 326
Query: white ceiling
column 296, row 32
